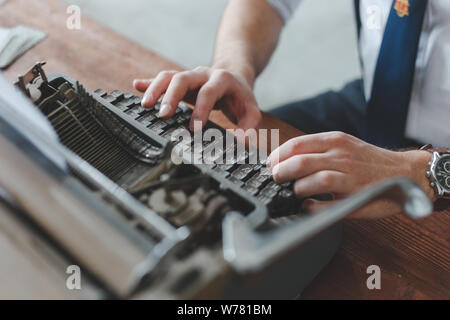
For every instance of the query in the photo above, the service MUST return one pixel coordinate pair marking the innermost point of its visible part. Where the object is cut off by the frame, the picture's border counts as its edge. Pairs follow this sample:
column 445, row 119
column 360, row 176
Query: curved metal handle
column 249, row 250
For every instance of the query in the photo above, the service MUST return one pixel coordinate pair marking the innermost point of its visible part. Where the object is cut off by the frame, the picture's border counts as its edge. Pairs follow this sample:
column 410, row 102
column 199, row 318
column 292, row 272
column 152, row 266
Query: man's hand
column 246, row 39
column 340, row 164
column 233, row 90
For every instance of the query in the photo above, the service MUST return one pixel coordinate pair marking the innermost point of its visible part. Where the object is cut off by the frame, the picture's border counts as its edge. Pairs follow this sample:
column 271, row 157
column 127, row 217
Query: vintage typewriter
column 145, row 227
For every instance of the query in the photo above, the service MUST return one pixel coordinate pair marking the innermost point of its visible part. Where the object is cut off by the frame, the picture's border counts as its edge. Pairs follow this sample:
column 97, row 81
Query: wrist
column 418, row 161
column 243, row 70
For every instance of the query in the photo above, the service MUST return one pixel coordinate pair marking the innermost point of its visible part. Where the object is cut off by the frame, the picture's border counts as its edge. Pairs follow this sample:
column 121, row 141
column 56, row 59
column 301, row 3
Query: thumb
column 313, row 206
column 375, row 210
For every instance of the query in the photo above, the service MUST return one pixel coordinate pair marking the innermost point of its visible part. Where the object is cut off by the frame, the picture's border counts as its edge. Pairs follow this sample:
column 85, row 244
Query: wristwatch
column 439, row 172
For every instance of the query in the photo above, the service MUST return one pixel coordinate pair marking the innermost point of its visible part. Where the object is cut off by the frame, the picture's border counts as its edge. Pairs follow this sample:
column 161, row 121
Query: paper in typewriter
column 16, row 41
column 27, row 119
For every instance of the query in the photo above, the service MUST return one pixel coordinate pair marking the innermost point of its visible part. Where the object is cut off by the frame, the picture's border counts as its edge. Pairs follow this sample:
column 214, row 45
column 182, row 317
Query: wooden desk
column 414, row 256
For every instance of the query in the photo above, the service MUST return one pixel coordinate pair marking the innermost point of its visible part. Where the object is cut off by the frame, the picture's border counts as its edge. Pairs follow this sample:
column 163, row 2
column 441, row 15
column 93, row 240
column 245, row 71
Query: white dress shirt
column 428, row 118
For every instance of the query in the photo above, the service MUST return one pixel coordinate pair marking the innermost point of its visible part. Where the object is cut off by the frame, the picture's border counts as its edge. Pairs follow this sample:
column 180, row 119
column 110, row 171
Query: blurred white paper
column 16, row 41
column 26, row 118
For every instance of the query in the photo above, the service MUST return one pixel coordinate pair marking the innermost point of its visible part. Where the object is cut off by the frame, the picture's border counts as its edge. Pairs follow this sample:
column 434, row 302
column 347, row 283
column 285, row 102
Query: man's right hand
column 234, row 92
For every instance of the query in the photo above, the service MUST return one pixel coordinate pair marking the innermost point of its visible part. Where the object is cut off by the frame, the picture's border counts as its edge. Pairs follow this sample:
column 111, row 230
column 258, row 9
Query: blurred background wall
column 317, row 51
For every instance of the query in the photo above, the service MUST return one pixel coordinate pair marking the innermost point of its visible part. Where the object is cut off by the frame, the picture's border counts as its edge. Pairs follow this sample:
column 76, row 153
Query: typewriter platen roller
column 184, row 231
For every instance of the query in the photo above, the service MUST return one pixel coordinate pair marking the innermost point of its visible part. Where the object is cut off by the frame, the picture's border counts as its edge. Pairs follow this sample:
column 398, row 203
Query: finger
column 211, row 92
column 300, row 166
column 142, row 84
column 230, row 115
column 322, row 182
column 179, row 86
column 313, row 143
column 157, row 88
column 252, row 117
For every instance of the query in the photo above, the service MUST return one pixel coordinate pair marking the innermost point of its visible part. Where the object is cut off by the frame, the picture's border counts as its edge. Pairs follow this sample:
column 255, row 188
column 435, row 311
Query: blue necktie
column 388, row 106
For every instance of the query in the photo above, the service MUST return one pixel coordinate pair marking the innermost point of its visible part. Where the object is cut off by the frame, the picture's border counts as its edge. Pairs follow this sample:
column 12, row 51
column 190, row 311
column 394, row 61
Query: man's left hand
column 340, row 164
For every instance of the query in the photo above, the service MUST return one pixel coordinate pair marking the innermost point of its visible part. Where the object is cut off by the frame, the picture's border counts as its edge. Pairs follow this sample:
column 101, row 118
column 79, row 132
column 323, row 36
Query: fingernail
column 275, row 172
column 147, row 98
column 165, row 110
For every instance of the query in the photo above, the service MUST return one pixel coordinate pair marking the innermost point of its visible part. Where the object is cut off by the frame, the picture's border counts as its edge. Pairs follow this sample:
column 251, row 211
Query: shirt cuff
column 284, row 7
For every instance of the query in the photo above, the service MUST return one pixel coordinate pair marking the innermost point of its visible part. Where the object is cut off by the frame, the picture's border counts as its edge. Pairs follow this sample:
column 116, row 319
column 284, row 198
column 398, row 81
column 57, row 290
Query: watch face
column 442, row 172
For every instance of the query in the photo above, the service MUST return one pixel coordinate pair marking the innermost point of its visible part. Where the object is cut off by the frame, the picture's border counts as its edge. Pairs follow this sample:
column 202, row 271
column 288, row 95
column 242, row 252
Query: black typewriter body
column 128, row 145
column 125, row 142
column 145, row 227
column 119, row 161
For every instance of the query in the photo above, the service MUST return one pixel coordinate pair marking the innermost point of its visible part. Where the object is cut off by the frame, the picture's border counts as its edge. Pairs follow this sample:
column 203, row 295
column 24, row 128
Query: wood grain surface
column 414, row 256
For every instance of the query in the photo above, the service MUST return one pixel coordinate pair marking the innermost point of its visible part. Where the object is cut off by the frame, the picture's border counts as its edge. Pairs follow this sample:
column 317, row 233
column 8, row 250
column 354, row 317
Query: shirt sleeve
column 284, row 7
